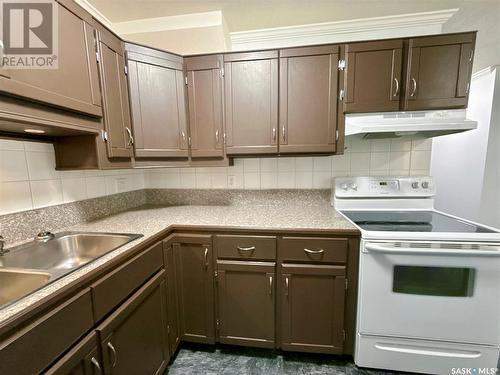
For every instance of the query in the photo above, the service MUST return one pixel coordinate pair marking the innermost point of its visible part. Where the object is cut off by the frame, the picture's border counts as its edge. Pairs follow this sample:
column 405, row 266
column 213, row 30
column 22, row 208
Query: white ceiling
column 243, row 15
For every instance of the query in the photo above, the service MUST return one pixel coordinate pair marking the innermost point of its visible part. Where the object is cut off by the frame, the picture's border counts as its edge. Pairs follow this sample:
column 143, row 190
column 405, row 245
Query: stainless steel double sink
column 28, row 267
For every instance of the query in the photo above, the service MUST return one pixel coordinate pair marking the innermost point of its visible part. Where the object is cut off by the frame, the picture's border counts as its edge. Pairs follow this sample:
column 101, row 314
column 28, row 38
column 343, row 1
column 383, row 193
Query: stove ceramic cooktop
column 412, row 221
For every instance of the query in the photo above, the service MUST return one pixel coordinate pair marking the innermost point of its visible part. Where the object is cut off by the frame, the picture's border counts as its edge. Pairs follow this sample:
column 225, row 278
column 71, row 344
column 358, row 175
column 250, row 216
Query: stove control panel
column 383, row 187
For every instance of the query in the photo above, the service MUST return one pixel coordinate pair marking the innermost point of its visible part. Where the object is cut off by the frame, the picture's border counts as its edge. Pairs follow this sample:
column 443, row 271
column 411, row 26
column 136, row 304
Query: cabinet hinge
column 168, row 329
column 337, row 138
column 222, row 72
column 216, row 276
column 97, row 56
column 346, row 283
column 467, row 88
column 104, row 135
column 341, row 94
column 189, row 141
column 224, row 138
column 125, row 69
column 341, row 64
column 343, row 335
column 186, row 80
column 217, row 324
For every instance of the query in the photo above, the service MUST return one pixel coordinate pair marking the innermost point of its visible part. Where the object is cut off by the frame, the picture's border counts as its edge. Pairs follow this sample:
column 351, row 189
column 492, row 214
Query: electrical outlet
column 120, row 184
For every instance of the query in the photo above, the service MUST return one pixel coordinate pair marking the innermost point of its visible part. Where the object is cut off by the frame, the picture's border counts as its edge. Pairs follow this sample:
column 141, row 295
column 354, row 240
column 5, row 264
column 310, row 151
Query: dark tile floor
column 229, row 360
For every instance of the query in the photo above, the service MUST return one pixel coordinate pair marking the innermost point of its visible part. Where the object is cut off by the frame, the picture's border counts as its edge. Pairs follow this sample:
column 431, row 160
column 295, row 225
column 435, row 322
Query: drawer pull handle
column 113, row 351
column 286, row 286
column 249, row 248
column 95, row 363
column 206, row 257
column 319, row 251
column 270, row 285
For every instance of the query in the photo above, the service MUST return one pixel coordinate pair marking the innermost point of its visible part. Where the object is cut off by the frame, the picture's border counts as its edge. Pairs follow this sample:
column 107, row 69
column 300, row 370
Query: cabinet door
column 204, row 76
column 158, row 106
column 74, row 85
column 134, row 337
column 119, row 139
column 246, row 300
column 195, row 283
column 373, row 76
column 312, row 308
column 83, row 359
column 308, row 99
column 251, row 102
column 174, row 337
column 439, row 71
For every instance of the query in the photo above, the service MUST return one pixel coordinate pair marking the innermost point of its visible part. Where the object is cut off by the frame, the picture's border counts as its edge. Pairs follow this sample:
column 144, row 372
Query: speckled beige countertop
column 150, row 220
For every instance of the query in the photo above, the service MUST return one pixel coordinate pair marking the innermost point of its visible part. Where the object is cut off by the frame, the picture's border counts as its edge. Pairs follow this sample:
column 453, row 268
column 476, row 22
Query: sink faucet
column 2, row 244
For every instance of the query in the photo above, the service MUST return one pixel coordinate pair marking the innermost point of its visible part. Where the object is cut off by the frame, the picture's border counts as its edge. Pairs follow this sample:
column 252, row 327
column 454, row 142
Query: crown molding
column 95, row 13
column 423, row 23
column 178, row 22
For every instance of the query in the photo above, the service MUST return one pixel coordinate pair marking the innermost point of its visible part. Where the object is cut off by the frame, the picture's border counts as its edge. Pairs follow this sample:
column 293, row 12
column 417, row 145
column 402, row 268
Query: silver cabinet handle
column 270, row 285
column 471, row 54
column 286, row 285
column 95, row 363
column 249, row 248
column 274, row 134
column 130, row 137
column 113, row 351
column 217, row 135
column 183, row 137
column 206, row 257
column 414, row 87
column 319, row 251
column 396, row 82
column 283, row 133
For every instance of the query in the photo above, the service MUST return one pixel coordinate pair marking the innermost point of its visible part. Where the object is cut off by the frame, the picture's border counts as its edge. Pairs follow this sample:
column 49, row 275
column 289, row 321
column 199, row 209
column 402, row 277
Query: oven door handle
column 376, row 248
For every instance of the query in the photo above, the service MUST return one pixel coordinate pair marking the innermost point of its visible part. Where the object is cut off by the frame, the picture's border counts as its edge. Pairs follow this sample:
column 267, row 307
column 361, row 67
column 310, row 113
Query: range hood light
column 34, row 131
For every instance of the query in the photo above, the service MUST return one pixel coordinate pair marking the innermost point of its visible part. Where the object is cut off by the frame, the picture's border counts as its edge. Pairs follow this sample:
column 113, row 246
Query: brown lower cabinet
column 288, row 292
column 83, row 359
column 312, row 299
column 246, row 303
column 195, row 286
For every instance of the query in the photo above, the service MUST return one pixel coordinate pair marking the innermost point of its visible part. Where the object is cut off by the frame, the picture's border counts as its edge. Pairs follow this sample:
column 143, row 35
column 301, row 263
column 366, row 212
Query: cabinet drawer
column 245, row 247
column 31, row 349
column 309, row 249
column 112, row 289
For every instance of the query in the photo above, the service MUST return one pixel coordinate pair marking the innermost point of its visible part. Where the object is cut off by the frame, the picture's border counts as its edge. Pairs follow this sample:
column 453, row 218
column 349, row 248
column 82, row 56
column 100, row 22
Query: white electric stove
column 429, row 283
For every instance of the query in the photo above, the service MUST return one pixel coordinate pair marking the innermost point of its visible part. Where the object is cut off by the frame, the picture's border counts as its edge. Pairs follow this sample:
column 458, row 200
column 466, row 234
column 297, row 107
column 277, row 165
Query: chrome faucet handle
column 44, row 235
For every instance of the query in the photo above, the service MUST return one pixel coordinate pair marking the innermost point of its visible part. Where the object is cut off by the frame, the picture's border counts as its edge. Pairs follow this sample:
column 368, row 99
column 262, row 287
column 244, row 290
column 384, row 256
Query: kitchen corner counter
column 154, row 220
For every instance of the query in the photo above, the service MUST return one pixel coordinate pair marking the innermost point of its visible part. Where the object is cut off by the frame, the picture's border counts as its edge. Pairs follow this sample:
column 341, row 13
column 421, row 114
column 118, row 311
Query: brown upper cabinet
column 439, row 71
column 158, row 106
column 308, row 99
column 118, row 133
column 74, row 85
column 204, row 82
column 373, row 76
column 251, row 102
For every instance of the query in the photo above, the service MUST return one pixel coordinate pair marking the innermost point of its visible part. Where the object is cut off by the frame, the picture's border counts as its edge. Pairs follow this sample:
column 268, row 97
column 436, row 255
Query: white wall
column 459, row 161
column 28, row 178
column 362, row 157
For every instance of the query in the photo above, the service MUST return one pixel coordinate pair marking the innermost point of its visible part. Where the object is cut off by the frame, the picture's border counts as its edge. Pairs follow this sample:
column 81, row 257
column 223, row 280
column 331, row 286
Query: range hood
column 398, row 124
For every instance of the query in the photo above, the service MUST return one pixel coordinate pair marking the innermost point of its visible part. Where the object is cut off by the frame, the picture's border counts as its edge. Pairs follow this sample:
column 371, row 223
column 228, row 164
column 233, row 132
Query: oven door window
column 433, row 281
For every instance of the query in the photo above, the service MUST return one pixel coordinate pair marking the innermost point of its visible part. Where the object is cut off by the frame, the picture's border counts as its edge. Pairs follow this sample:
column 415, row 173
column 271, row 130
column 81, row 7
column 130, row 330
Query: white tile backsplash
column 28, row 178
column 361, row 158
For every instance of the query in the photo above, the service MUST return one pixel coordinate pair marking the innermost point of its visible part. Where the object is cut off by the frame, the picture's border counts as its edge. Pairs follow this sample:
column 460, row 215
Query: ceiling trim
column 422, row 23
column 178, row 22
column 95, row 13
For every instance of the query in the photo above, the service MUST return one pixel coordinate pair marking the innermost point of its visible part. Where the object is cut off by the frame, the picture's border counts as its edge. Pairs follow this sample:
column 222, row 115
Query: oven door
column 430, row 290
